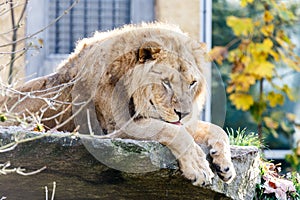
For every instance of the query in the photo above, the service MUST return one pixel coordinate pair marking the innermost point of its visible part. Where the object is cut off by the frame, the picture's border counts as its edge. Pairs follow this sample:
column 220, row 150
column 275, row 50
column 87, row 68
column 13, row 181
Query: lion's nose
column 181, row 115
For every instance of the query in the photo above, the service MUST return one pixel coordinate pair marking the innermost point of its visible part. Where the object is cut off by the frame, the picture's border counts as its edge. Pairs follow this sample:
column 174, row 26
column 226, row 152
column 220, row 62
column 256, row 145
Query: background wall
column 186, row 14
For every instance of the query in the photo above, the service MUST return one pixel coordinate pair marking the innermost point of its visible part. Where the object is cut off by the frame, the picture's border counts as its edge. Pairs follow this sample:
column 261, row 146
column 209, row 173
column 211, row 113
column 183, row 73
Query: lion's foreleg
column 192, row 159
column 217, row 140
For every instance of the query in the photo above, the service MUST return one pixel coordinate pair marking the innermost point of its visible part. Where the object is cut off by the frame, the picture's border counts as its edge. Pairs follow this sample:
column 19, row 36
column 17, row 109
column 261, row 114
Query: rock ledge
column 128, row 169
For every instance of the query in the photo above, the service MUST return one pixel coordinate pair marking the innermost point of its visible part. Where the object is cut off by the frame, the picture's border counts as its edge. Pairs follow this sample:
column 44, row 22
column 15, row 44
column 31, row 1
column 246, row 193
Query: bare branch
column 14, row 144
column 53, row 190
column 17, row 57
column 15, row 27
column 14, row 38
column 14, row 52
column 9, row 31
column 22, row 13
column 46, row 192
column 6, row 170
column 89, row 122
column 44, row 28
column 8, row 10
column 9, row 147
column 58, row 114
column 74, row 115
column 20, row 171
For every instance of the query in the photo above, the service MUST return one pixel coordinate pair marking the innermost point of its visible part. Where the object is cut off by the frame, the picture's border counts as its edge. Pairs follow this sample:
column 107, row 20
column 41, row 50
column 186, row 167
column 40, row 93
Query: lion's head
column 168, row 85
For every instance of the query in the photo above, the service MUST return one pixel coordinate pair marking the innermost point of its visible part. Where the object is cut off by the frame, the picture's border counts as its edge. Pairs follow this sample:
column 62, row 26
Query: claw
column 228, row 178
column 213, row 152
column 196, row 181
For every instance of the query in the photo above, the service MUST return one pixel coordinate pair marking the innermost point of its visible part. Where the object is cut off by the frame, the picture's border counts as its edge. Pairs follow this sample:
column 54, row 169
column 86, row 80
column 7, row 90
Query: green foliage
column 3, row 118
column 295, row 177
column 241, row 138
column 294, row 159
column 261, row 46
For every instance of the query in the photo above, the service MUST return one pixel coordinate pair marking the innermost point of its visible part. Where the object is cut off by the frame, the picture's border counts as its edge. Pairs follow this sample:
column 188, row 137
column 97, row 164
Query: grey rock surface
column 86, row 167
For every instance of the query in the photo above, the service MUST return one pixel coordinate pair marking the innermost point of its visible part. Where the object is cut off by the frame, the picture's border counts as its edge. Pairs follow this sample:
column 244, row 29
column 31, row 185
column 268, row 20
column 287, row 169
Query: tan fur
column 142, row 82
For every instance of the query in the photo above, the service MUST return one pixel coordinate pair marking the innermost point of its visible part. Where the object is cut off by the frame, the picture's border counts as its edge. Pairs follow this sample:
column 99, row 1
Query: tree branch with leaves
column 258, row 54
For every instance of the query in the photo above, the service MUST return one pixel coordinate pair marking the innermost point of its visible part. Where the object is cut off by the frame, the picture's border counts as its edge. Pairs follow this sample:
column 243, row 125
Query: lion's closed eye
column 166, row 84
column 193, row 84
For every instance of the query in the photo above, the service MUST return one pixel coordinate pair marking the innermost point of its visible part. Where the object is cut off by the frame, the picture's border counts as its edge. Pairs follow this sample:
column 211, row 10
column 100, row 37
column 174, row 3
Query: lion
column 142, row 82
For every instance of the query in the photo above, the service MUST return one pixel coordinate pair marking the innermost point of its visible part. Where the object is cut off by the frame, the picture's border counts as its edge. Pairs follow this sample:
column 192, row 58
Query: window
column 81, row 21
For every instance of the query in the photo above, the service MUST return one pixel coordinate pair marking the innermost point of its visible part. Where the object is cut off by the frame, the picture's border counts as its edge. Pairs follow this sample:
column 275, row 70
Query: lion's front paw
column 195, row 167
column 223, row 166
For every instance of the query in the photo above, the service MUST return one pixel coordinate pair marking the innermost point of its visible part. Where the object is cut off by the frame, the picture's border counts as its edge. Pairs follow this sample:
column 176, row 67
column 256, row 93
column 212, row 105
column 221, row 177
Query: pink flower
column 278, row 186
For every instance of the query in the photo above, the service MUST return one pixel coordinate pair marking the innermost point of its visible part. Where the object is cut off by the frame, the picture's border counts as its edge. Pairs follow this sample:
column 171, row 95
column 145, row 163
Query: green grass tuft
column 241, row 138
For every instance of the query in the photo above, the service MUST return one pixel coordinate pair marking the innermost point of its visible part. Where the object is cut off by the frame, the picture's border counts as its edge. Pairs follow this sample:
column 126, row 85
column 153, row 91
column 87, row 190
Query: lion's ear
column 148, row 51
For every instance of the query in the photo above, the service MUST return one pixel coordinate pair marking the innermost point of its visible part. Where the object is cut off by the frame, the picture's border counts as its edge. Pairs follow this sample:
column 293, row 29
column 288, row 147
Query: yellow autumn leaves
column 251, row 63
column 246, row 26
column 242, row 101
column 260, row 49
column 240, row 26
column 244, row 3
